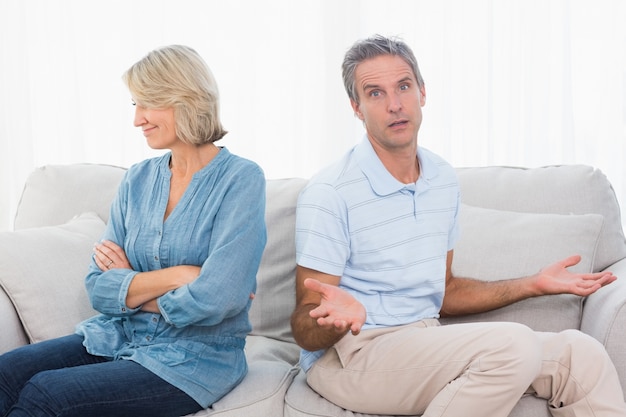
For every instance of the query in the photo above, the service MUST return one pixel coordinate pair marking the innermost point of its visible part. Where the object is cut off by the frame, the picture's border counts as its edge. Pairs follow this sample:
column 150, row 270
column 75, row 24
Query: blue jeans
column 59, row 378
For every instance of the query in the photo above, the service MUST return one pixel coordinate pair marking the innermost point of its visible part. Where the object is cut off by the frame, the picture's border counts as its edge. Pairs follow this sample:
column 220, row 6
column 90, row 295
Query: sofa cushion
column 496, row 244
column 276, row 279
column 565, row 189
column 42, row 270
column 302, row 401
column 54, row 194
column 262, row 391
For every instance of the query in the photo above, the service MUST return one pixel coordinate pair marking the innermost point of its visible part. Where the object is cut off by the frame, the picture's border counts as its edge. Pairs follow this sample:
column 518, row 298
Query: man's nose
column 394, row 104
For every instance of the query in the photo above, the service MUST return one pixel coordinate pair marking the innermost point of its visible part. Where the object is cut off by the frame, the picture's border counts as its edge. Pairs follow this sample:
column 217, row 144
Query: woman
column 174, row 275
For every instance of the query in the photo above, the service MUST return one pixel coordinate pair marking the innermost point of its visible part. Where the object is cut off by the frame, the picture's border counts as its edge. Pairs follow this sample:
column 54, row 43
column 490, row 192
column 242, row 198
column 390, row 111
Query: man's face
column 390, row 102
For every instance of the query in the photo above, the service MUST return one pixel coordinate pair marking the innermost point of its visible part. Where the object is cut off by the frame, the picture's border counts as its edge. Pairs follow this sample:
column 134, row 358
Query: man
column 374, row 238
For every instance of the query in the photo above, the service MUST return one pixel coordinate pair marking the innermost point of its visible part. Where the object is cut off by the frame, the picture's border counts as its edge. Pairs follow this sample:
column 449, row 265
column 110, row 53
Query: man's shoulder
column 332, row 186
column 435, row 166
column 333, row 175
column 434, row 158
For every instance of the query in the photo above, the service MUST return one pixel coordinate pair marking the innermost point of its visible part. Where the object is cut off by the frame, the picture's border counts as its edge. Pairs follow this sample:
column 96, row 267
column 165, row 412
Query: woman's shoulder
column 239, row 163
column 148, row 169
column 150, row 164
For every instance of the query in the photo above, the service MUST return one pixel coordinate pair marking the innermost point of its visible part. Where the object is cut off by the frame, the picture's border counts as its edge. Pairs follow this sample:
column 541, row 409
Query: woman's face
column 158, row 126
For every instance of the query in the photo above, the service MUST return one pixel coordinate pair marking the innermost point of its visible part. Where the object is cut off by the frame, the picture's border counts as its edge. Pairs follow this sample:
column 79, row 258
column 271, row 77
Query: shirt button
column 154, row 320
column 156, row 258
column 148, row 338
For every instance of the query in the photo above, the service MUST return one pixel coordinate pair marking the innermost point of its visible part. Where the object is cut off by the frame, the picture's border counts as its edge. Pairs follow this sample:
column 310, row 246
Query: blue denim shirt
column 197, row 341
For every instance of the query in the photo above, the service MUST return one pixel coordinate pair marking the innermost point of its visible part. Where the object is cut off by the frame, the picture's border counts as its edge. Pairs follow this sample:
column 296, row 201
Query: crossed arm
column 324, row 313
column 145, row 287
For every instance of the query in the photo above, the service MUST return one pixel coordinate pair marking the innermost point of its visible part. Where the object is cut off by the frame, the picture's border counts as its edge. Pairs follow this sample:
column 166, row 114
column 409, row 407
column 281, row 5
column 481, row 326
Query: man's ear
column 422, row 95
column 355, row 108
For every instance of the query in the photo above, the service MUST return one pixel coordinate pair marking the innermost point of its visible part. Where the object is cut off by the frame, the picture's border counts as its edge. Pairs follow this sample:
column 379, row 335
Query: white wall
column 525, row 83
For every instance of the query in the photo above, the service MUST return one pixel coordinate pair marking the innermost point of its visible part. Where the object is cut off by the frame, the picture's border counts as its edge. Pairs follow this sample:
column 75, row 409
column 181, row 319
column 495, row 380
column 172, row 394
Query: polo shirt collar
column 381, row 181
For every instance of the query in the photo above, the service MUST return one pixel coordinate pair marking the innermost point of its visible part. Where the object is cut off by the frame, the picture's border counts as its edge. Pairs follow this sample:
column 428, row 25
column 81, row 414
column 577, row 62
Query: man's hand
column 324, row 313
column 557, row 279
column 338, row 310
column 471, row 296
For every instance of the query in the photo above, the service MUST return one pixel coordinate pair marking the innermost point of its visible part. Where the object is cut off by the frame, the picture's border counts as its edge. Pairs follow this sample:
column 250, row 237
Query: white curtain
column 509, row 82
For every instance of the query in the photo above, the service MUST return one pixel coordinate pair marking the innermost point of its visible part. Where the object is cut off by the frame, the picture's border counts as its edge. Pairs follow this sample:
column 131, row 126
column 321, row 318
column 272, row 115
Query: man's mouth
column 398, row 123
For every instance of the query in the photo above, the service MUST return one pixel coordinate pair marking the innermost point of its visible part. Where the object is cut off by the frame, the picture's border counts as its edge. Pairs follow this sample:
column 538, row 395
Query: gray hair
column 177, row 77
column 372, row 47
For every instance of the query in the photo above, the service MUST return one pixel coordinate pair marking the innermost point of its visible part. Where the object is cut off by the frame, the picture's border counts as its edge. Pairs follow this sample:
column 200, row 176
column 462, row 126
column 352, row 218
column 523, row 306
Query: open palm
column 338, row 309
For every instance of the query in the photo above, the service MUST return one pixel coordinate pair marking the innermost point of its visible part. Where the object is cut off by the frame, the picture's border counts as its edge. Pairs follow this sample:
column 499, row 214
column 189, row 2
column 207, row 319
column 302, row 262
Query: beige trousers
column 479, row 369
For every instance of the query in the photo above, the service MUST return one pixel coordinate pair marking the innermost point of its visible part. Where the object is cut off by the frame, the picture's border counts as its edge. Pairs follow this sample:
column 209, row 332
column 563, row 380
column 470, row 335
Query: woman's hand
column 109, row 255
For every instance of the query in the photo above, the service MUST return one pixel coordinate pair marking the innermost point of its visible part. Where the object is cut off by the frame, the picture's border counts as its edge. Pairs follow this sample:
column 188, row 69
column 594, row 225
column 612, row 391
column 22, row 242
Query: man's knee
column 575, row 346
column 573, row 337
column 517, row 348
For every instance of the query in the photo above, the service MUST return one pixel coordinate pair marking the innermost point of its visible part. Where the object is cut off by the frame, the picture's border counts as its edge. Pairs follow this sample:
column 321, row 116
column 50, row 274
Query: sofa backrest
column 515, row 221
column 275, row 297
column 54, row 194
column 564, row 189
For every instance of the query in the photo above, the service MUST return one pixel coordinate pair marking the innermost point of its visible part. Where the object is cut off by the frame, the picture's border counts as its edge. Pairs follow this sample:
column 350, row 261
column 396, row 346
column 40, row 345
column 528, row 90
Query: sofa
column 514, row 221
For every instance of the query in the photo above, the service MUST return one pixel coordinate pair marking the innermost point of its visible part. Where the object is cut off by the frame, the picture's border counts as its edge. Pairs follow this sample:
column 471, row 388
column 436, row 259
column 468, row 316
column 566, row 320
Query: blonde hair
column 177, row 77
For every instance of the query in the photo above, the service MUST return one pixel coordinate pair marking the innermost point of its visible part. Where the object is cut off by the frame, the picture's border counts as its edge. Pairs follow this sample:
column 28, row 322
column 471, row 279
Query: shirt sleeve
column 322, row 237
column 455, row 231
column 228, row 275
column 107, row 290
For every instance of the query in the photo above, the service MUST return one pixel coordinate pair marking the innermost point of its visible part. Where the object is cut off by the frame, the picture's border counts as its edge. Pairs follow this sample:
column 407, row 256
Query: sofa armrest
column 13, row 334
column 604, row 315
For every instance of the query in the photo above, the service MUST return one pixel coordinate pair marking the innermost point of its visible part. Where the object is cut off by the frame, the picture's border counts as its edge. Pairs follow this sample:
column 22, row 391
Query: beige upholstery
column 522, row 217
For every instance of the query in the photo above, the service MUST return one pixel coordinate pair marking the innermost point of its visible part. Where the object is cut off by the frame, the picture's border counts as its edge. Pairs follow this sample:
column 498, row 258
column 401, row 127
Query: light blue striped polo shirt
column 387, row 240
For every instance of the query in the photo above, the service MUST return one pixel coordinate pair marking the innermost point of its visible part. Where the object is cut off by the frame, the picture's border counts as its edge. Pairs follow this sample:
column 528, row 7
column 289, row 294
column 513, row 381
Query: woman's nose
column 140, row 117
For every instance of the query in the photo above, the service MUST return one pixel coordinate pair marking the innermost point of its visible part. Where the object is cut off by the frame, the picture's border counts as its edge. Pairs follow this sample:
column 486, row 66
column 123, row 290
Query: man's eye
column 404, row 87
column 375, row 93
